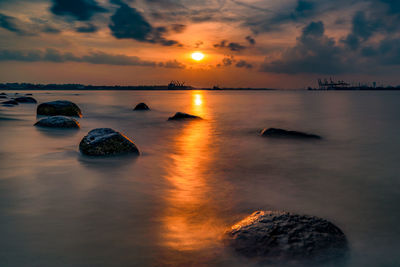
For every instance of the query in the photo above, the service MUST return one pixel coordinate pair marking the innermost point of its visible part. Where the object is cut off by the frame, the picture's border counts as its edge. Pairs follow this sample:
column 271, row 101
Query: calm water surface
column 171, row 205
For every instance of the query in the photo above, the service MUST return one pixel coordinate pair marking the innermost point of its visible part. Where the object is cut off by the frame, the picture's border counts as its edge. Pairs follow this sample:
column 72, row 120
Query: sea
column 193, row 180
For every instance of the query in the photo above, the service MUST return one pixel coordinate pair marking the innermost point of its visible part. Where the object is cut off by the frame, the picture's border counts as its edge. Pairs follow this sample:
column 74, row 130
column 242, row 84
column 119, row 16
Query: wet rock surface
column 26, row 99
column 141, row 106
column 106, row 142
column 275, row 236
column 58, row 122
column 182, row 116
column 281, row 133
column 59, row 107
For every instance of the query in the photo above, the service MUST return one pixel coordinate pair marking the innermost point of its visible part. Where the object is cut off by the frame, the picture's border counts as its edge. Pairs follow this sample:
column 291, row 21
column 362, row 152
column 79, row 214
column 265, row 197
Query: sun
column 197, row 56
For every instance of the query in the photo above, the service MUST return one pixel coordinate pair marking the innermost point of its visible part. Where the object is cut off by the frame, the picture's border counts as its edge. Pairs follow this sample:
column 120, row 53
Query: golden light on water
column 197, row 56
column 190, row 221
column 198, row 101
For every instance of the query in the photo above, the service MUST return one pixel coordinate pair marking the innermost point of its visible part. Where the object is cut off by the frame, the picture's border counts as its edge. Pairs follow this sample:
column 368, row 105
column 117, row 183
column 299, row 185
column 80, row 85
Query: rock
column 25, row 99
column 59, row 107
column 3, row 93
column 141, row 106
column 10, row 102
column 182, row 116
column 274, row 132
column 105, row 142
column 3, row 96
column 28, row 94
column 281, row 236
column 58, row 122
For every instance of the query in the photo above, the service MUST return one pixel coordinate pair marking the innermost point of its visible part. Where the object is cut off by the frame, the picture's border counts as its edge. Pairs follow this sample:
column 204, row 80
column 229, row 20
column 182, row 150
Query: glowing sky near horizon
column 253, row 43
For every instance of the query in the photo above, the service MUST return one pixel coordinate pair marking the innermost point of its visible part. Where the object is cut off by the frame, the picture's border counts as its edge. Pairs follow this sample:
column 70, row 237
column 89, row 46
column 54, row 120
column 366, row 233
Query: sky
column 246, row 43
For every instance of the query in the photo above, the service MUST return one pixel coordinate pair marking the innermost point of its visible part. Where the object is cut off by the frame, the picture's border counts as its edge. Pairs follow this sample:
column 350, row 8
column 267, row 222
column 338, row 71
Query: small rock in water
column 141, row 106
column 279, row 237
column 3, row 93
column 28, row 94
column 58, row 122
column 182, row 116
column 25, row 99
column 10, row 102
column 105, row 142
column 3, row 96
column 275, row 132
column 59, row 107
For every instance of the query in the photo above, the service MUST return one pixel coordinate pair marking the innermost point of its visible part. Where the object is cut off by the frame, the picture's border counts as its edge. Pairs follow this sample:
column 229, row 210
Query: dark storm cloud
column 78, row 9
column 236, row 47
column 302, row 10
column 98, row 57
column 313, row 53
column 88, row 28
column 128, row 23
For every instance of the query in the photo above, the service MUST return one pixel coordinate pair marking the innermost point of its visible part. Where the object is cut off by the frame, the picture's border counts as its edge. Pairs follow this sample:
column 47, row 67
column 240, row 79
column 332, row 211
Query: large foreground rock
column 58, row 122
column 141, row 106
column 285, row 237
column 105, row 142
column 275, row 132
column 59, row 107
column 26, row 99
column 182, row 116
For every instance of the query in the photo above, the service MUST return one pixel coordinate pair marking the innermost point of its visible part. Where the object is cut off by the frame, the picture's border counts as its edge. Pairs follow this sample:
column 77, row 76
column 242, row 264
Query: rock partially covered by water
column 141, row 106
column 285, row 237
column 11, row 102
column 3, row 96
column 26, row 99
column 59, row 107
column 58, row 122
column 105, row 142
column 2, row 93
column 182, row 116
column 275, row 132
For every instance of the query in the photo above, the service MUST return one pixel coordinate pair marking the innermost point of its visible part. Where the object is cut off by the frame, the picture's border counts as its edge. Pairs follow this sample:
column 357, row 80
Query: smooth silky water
column 171, row 205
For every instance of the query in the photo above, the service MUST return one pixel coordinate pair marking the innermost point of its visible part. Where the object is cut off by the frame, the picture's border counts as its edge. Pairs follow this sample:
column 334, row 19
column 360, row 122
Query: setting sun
column 197, row 56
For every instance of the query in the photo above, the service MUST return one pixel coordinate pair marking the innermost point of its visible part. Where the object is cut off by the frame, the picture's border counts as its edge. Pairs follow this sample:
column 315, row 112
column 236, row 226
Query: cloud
column 53, row 55
column 243, row 64
column 251, row 40
column 313, row 53
column 236, row 47
column 172, row 64
column 11, row 24
column 88, row 28
column 79, row 9
column 128, row 23
column 96, row 57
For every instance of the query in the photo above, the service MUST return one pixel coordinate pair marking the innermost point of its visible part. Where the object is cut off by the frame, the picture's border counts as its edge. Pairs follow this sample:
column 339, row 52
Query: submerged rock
column 105, row 142
column 281, row 236
column 28, row 94
column 59, row 107
column 10, row 102
column 25, row 99
column 182, row 116
column 275, row 132
column 141, row 106
column 58, row 122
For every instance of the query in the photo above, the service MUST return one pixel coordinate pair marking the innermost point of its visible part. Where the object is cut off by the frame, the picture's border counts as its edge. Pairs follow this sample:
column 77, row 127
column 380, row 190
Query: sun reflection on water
column 190, row 218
